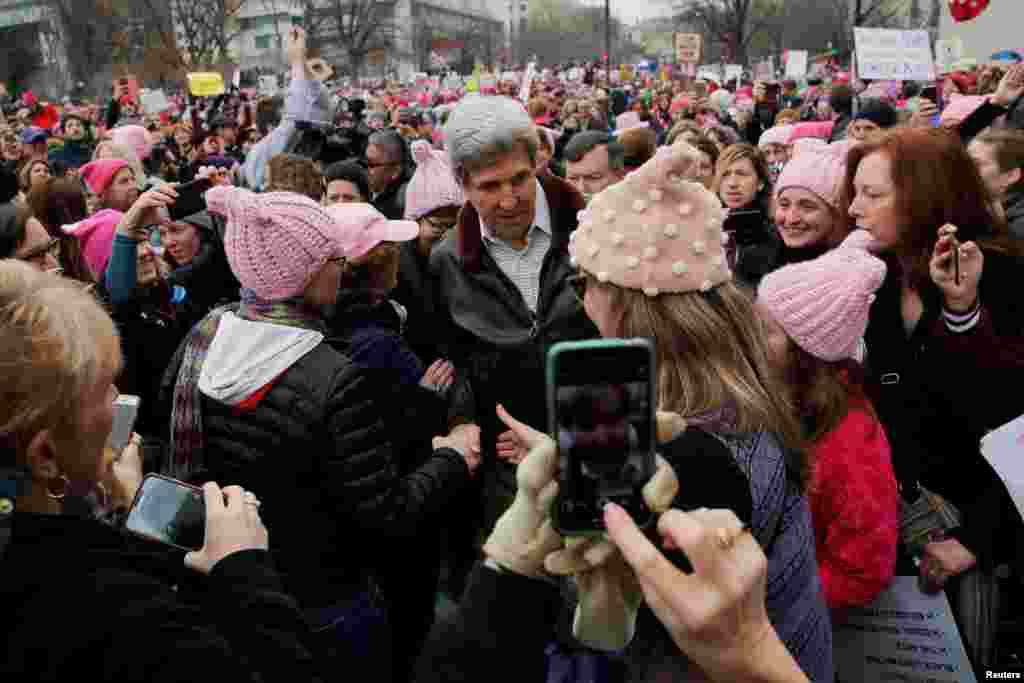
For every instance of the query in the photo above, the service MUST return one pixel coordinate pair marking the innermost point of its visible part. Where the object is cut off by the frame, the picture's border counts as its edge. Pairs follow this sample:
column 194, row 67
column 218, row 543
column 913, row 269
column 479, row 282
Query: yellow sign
column 206, row 84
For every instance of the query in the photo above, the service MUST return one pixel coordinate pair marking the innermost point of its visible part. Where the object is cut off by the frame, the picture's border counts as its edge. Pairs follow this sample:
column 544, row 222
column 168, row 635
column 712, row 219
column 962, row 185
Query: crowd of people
column 346, row 350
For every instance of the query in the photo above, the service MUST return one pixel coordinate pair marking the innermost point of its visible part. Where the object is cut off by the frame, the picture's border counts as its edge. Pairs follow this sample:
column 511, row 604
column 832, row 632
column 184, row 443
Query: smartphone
column 744, row 222
column 170, row 512
column 600, row 397
column 126, row 410
column 190, row 199
column 931, row 92
column 956, row 262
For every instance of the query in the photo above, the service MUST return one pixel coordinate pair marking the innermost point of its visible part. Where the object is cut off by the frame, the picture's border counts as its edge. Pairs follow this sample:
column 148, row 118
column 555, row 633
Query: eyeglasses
column 338, row 260
column 579, row 285
column 370, row 165
column 52, row 247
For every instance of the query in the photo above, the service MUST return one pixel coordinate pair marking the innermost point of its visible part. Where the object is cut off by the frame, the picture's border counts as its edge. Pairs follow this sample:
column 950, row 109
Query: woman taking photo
column 945, row 346
column 137, row 616
column 672, row 282
column 743, row 184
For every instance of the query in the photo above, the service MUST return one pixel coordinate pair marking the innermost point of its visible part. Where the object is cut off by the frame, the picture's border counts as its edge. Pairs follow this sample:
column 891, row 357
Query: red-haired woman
column 945, row 352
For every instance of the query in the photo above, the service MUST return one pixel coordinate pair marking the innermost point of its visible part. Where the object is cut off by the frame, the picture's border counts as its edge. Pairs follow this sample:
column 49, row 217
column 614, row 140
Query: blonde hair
column 712, row 354
column 55, row 342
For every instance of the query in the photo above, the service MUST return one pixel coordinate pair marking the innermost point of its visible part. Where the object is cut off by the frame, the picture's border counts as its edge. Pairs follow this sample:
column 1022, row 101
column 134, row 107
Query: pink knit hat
column 779, row 135
column 627, row 120
column 360, row 228
column 656, row 231
column 960, row 107
column 134, row 138
column 433, row 185
column 822, row 171
column 100, row 173
column 821, row 130
column 96, row 237
column 823, row 304
column 276, row 241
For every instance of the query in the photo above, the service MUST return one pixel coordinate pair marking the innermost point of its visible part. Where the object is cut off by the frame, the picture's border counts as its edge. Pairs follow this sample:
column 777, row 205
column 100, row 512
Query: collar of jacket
column 565, row 204
column 1014, row 204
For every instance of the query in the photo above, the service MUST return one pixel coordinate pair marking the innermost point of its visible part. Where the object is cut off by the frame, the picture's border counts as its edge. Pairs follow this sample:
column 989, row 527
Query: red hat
column 100, row 173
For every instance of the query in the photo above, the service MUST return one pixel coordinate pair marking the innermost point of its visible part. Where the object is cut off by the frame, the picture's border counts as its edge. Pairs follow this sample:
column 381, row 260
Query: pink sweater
column 853, row 498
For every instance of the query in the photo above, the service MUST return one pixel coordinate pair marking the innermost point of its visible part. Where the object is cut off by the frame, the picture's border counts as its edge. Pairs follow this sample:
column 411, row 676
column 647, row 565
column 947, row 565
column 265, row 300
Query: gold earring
column 63, row 491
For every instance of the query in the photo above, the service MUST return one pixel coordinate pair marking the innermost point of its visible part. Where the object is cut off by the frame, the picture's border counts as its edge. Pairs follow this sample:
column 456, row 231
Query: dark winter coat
column 90, row 602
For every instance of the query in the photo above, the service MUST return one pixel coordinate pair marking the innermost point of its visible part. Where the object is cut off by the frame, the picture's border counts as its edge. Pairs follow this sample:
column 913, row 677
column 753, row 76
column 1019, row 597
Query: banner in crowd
column 154, row 101
column 733, row 72
column 206, row 84
column 885, row 54
column 796, row 64
column 904, row 635
column 688, row 46
column 1003, row 449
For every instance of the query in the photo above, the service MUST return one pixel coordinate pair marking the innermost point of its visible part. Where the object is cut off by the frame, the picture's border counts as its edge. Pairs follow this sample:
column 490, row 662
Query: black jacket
column 1014, row 206
column 391, row 202
column 416, row 291
column 150, row 333
column 321, row 451
column 938, row 392
column 85, row 601
column 497, row 343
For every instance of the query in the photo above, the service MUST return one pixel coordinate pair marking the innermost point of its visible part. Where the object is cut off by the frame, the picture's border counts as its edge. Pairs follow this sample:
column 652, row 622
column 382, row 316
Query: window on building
column 263, row 42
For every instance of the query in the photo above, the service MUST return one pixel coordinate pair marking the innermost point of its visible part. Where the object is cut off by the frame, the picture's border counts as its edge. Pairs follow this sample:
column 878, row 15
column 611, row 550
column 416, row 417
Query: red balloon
column 965, row 10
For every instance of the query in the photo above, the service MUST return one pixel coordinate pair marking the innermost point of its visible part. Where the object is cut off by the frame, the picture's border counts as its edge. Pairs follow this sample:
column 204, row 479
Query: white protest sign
column 688, row 47
column 1004, row 450
column 904, row 635
column 154, row 101
column 531, row 73
column 885, row 54
column 733, row 72
column 269, row 86
column 948, row 52
column 796, row 64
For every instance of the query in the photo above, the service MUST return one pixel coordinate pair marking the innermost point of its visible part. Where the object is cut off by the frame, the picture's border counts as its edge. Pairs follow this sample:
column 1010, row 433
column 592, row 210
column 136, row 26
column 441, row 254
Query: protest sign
column 948, row 52
column 796, row 64
column 893, row 55
column 1004, row 450
column 154, row 102
column 733, row 72
column 904, row 635
column 688, row 47
column 531, row 73
column 206, row 84
column 269, row 86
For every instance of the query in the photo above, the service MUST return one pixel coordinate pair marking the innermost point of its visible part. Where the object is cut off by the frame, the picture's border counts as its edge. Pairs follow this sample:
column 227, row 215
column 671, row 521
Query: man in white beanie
column 503, row 278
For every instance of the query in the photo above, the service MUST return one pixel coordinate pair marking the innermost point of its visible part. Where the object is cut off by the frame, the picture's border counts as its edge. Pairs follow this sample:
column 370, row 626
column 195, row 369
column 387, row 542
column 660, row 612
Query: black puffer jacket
column 321, row 451
column 416, row 291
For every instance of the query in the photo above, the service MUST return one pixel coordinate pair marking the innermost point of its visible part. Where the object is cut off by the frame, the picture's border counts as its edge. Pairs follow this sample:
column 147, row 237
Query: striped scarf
column 188, row 439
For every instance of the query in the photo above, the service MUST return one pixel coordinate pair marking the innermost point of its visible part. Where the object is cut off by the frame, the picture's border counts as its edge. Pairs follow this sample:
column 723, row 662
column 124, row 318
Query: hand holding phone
column 190, row 198
column 233, row 524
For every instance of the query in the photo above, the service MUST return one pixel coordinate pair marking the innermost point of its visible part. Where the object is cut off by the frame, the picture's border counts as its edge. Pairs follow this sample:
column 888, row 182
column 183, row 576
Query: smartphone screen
column 602, row 405
column 126, row 410
column 170, row 512
column 190, row 199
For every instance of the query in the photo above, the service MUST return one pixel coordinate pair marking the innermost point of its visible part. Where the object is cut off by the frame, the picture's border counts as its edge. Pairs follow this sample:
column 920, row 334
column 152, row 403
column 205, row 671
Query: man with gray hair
column 594, row 160
column 504, row 279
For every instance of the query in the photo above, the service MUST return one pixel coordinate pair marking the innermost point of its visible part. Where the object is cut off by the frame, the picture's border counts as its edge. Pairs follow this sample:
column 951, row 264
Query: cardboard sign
column 688, row 46
column 206, row 84
column 796, row 64
column 154, row 102
column 1004, row 450
column 904, row 635
column 893, row 55
column 126, row 86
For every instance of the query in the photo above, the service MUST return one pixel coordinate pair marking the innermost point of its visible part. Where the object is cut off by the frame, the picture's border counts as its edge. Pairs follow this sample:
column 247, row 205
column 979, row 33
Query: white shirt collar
column 541, row 216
